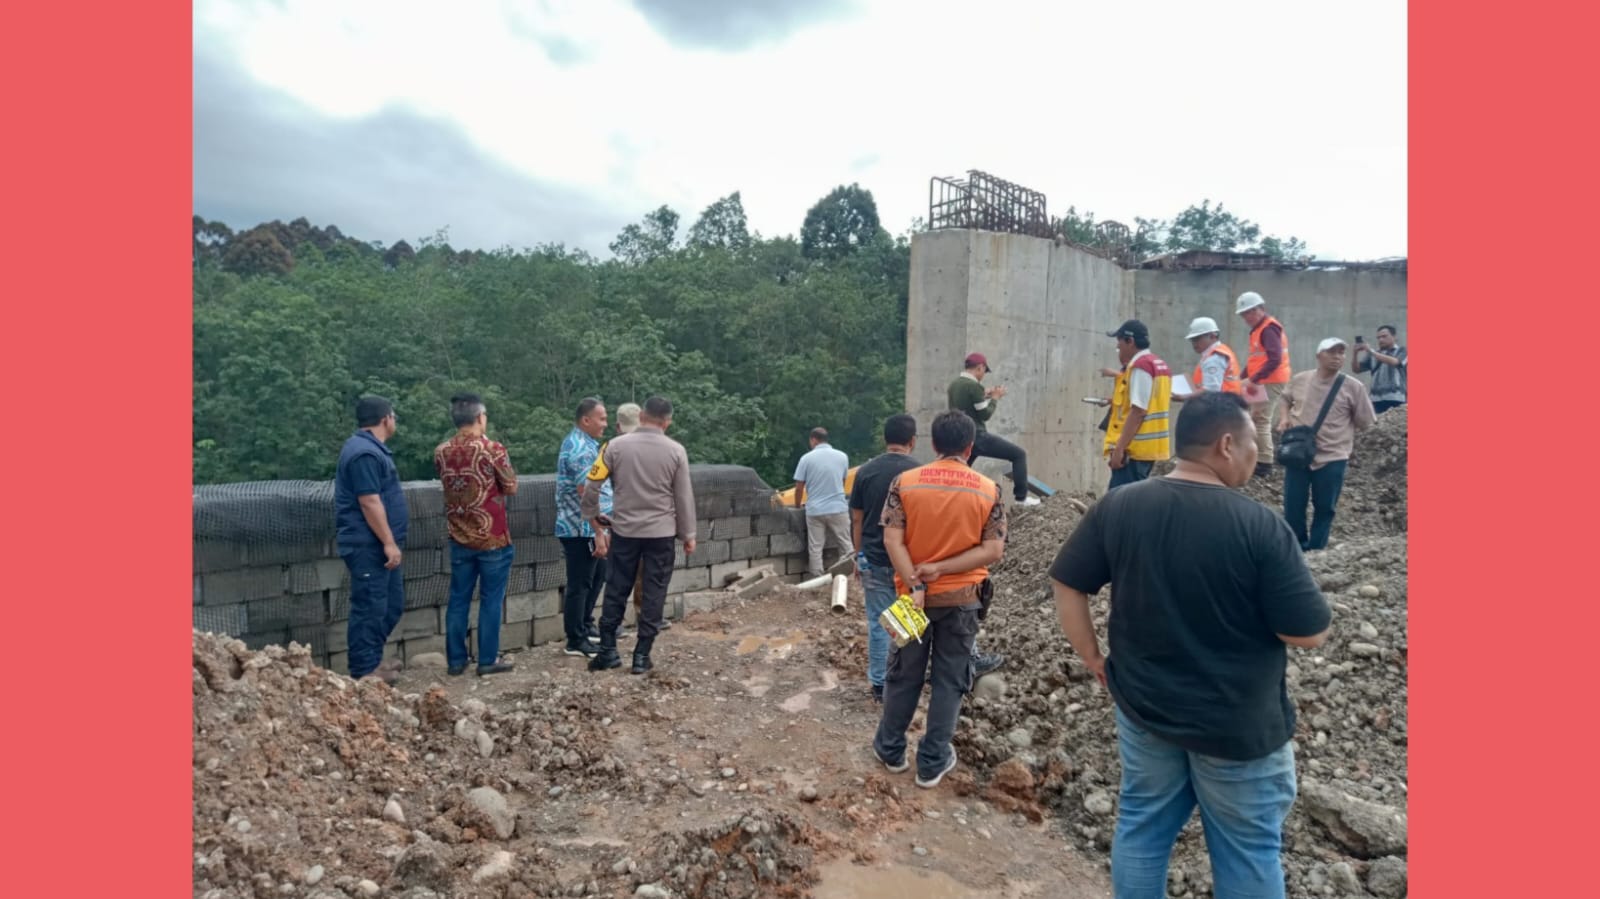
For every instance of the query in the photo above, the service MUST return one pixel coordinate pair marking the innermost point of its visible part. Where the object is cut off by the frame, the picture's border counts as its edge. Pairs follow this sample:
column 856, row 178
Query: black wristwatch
column 922, row 587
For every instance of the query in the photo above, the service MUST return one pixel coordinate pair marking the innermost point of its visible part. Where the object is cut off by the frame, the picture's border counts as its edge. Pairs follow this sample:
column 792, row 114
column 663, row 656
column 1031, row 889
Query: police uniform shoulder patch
column 598, row 471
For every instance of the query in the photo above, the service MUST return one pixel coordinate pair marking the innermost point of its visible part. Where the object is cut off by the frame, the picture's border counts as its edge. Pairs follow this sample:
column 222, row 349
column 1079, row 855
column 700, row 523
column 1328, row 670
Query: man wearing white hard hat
column 1218, row 369
column 1266, row 371
column 1322, row 412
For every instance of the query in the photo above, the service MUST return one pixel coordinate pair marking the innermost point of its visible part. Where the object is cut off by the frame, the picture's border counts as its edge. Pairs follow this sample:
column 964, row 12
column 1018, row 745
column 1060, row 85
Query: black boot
column 606, row 656
column 641, row 655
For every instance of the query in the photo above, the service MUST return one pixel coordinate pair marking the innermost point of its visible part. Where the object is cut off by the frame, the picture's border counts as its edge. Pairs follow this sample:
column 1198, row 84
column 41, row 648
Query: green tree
column 721, row 226
column 652, row 238
column 841, row 222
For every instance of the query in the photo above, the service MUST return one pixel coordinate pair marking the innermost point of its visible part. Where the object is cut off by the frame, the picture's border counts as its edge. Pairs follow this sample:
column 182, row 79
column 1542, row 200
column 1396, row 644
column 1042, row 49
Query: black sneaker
column 985, row 662
column 456, row 670
column 496, row 668
column 583, row 649
column 641, row 663
column 605, row 658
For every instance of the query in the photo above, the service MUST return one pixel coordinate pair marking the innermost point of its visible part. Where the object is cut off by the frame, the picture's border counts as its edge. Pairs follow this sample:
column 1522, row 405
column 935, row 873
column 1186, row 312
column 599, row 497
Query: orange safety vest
column 1258, row 354
column 946, row 505
column 1230, row 378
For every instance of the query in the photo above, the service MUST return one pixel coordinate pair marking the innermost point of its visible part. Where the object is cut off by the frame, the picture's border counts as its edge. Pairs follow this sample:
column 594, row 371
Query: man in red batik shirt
column 477, row 476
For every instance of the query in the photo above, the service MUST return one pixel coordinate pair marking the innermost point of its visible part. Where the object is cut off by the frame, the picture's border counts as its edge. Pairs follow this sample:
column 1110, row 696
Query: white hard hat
column 1202, row 325
column 1248, row 300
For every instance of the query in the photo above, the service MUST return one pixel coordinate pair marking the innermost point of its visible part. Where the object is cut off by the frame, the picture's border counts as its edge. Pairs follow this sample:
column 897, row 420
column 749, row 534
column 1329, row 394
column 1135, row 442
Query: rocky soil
column 741, row 767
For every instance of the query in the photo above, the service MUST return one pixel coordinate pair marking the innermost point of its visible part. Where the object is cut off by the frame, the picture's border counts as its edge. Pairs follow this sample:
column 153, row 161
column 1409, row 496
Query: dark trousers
column 633, row 558
column 990, row 446
column 1382, row 406
column 586, row 577
column 1323, row 486
column 948, row 647
column 1131, row 472
column 377, row 597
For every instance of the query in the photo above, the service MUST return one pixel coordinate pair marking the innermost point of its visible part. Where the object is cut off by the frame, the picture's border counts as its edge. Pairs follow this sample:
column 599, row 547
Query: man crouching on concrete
column 652, row 502
column 943, row 525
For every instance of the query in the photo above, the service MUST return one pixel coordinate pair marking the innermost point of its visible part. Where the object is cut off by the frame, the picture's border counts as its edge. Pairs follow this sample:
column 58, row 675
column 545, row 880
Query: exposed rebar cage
column 987, row 203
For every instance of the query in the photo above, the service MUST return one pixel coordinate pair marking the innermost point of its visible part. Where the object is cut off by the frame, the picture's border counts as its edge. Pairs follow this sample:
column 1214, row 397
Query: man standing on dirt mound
column 967, row 394
column 1207, row 588
column 370, row 518
column 1137, row 435
column 943, row 525
column 1266, row 371
column 652, row 502
column 1335, row 408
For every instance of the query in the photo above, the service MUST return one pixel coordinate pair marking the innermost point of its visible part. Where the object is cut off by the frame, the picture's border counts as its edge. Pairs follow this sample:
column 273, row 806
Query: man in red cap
column 967, row 394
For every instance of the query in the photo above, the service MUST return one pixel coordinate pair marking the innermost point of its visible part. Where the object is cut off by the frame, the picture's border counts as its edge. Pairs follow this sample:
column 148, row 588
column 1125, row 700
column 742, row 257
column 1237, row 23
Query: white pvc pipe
column 814, row 583
column 841, row 588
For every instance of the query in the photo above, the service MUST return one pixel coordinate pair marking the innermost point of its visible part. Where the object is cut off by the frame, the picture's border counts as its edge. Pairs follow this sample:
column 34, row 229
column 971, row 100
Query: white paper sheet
column 1181, row 386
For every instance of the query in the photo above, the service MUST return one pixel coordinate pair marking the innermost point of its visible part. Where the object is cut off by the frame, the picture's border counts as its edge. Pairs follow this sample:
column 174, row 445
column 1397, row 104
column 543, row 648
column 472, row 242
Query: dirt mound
column 759, row 853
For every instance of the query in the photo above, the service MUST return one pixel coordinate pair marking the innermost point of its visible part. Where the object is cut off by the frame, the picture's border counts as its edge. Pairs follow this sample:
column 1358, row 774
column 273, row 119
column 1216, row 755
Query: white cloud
column 1291, row 114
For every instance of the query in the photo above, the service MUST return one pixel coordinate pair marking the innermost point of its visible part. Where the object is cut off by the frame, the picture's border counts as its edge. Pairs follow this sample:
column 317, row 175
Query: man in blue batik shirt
column 586, row 573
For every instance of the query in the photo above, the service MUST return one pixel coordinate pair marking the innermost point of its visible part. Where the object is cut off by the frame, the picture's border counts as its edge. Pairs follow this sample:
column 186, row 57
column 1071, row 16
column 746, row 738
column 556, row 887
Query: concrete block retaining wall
column 264, row 571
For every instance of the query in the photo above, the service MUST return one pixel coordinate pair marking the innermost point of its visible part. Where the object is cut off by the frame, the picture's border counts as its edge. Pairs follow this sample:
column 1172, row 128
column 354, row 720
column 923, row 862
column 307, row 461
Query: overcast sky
column 519, row 123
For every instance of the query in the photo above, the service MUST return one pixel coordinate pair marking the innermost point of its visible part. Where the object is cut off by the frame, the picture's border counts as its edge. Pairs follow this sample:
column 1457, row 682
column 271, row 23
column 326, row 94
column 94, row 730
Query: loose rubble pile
column 309, row 784
column 1044, row 716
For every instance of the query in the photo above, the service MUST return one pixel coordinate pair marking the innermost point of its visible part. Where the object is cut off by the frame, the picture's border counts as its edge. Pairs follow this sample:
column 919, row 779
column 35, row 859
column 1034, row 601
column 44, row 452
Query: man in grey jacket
column 652, row 504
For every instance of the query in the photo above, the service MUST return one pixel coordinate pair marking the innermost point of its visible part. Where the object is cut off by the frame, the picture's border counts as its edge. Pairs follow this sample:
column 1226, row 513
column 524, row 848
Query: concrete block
column 320, row 574
column 686, row 579
column 549, row 575
column 219, row 555
column 749, row 548
column 528, row 606
column 427, row 592
column 795, row 564
column 516, row 635
column 673, row 608
column 548, row 630
column 338, row 637
column 786, row 544
column 678, row 558
column 198, row 593
column 704, row 600
column 520, row 519
column 230, row 620
column 313, row 636
column 420, row 562
column 709, row 552
column 538, row 548
column 727, row 571
column 273, row 554
column 779, row 564
column 282, row 612
column 418, row 623
column 419, row 645
column 713, row 505
column 521, row 579
column 753, row 588
column 769, row 524
column 339, row 662
column 221, row 588
column 427, row 532
column 702, row 529
column 730, row 528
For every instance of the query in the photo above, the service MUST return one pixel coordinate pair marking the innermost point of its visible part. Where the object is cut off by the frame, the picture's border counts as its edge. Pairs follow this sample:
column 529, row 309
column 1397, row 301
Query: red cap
column 978, row 359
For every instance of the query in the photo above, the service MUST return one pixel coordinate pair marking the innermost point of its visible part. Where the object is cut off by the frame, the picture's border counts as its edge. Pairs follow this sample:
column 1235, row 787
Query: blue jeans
column 488, row 570
column 377, row 597
column 1242, row 808
column 877, row 582
column 1324, row 485
column 1131, row 472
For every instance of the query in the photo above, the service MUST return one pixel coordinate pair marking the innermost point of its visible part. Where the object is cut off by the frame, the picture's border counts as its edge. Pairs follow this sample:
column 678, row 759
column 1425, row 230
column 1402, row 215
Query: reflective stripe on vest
column 1258, row 353
column 1153, row 441
column 1230, row 378
column 946, row 505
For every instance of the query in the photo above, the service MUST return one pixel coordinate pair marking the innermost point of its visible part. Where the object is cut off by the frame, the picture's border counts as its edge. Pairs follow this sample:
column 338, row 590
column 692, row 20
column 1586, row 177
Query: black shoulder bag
column 1297, row 446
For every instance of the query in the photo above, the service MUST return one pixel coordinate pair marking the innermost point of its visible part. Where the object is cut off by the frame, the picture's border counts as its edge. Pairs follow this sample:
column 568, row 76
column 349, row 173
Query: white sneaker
column 1028, row 501
column 932, row 782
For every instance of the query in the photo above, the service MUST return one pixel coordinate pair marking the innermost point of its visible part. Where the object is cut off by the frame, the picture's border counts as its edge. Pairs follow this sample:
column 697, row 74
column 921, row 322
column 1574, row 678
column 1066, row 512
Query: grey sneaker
column 893, row 767
column 985, row 662
column 933, row 781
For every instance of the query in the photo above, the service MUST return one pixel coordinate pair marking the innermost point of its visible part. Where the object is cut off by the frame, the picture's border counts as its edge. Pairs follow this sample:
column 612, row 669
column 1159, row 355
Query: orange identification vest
column 1258, row 354
column 1230, row 378
column 946, row 505
column 1153, row 441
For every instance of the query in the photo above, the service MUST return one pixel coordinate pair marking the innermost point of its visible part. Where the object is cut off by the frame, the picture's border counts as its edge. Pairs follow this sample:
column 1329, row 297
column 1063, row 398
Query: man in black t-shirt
column 1207, row 588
